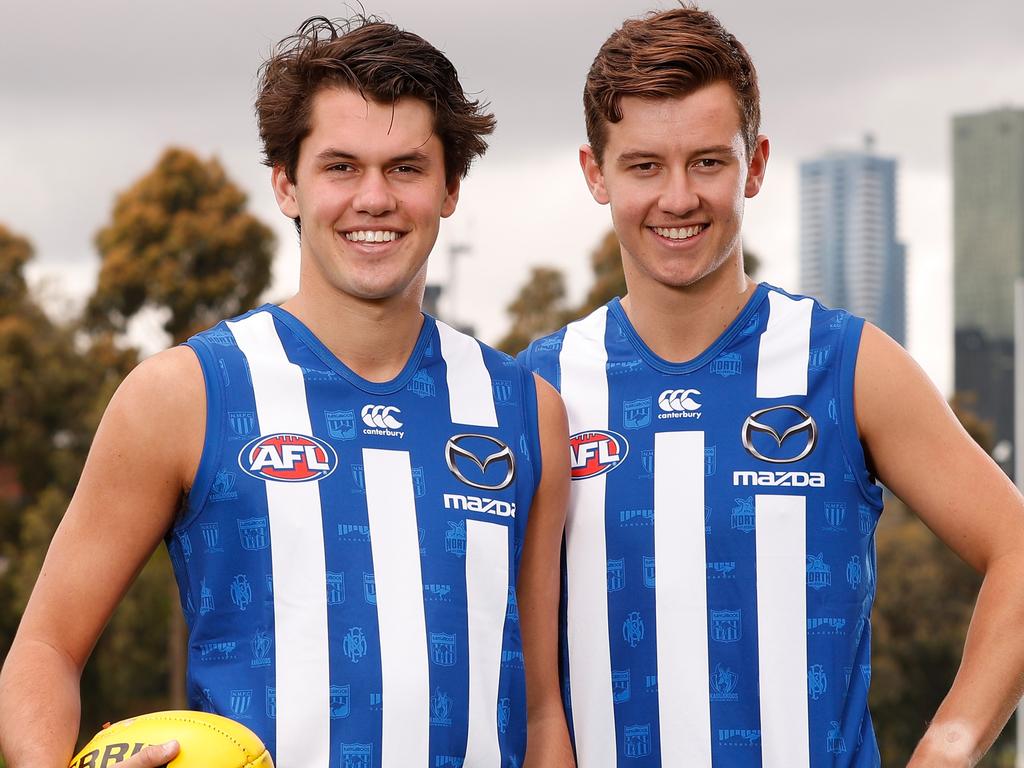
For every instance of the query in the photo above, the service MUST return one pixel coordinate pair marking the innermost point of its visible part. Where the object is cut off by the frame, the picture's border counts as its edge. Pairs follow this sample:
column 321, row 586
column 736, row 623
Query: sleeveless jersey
column 721, row 532
column 347, row 558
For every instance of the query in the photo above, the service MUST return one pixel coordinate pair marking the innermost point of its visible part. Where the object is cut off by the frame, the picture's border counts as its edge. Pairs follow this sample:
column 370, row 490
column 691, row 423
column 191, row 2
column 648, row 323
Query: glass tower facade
column 988, row 256
column 849, row 254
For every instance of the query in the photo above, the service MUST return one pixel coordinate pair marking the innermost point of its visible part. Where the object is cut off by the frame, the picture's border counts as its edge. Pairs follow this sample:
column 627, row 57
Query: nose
column 679, row 194
column 374, row 196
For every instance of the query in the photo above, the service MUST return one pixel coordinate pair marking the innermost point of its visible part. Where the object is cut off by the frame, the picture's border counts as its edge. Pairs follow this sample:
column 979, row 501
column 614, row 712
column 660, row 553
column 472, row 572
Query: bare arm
column 143, row 457
column 926, row 458
column 539, row 588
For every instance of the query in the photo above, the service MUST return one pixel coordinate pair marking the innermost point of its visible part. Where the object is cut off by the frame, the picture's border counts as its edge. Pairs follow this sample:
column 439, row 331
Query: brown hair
column 382, row 62
column 668, row 54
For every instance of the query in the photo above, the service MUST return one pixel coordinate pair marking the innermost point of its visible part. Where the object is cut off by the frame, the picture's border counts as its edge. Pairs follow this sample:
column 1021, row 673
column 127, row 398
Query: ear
column 284, row 191
column 593, row 174
column 757, row 167
column 451, row 197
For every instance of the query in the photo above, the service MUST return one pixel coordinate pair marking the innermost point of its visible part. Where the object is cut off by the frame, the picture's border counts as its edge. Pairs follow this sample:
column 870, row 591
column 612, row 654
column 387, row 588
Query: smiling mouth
column 680, row 233
column 373, row 236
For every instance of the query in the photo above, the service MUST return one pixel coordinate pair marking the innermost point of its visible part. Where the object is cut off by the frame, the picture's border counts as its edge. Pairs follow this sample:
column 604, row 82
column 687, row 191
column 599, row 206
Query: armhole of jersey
column 853, row 450
column 531, row 423
column 203, row 480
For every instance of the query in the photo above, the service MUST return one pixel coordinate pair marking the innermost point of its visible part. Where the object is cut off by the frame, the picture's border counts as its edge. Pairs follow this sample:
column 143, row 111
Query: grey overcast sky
column 91, row 93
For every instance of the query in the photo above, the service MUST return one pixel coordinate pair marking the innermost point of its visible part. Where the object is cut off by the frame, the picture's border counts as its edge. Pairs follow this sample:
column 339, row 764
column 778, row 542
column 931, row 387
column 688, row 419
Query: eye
column 707, row 162
column 341, row 167
column 405, row 169
column 646, row 167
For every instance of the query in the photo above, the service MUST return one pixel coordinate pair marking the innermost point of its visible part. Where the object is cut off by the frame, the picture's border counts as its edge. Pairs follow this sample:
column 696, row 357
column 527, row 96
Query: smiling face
column 370, row 190
column 676, row 173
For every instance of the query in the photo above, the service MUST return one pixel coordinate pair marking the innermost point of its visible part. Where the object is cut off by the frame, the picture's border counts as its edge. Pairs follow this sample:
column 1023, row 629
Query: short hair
column 668, row 54
column 382, row 62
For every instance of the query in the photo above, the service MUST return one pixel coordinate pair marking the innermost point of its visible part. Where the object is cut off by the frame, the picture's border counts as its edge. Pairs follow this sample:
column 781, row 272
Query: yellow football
column 205, row 741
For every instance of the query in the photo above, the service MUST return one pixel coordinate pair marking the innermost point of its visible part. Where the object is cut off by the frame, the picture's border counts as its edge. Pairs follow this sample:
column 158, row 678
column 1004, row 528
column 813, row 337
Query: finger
column 153, row 756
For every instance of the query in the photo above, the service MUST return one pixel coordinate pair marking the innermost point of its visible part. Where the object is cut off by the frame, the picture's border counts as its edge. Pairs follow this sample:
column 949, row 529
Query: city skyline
column 850, row 254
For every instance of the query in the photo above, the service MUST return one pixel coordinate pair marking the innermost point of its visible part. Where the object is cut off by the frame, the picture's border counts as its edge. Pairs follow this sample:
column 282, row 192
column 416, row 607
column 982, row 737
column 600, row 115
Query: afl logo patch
column 596, row 452
column 288, row 458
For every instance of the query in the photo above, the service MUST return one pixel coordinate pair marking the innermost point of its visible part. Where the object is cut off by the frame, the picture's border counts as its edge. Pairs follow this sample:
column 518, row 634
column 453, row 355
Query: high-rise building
column 849, row 254
column 988, row 255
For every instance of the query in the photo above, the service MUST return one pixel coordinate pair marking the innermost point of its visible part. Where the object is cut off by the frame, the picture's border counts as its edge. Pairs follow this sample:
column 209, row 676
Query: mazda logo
column 803, row 426
column 456, row 447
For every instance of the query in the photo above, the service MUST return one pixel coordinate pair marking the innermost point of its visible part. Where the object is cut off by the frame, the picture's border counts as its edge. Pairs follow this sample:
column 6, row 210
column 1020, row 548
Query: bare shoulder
column 890, row 386
column 173, row 374
column 160, row 410
column 919, row 450
column 551, row 417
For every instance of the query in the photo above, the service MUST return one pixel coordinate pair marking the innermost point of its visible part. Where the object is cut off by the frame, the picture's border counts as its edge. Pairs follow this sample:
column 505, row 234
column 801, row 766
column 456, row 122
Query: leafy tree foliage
column 54, row 383
column 181, row 239
column 538, row 309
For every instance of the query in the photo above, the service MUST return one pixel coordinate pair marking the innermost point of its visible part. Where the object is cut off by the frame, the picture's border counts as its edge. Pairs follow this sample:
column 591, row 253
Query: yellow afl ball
column 205, row 741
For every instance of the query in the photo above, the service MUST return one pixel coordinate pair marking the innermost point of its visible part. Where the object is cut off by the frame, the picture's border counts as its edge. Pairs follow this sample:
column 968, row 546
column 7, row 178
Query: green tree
column 180, row 239
column 539, row 308
column 52, row 379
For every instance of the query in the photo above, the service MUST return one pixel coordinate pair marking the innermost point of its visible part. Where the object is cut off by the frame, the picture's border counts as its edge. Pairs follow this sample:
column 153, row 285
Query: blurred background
column 134, row 211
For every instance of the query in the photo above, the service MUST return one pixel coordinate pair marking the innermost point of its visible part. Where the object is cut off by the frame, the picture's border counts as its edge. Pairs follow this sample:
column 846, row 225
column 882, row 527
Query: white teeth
column 372, row 236
column 680, row 233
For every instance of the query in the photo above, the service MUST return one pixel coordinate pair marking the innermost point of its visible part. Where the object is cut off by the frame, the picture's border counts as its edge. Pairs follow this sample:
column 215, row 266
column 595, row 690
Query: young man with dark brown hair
column 727, row 441
column 351, row 492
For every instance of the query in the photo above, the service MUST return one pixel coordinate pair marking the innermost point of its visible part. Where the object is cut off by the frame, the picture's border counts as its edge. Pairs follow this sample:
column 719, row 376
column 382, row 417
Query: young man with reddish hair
column 727, row 443
column 351, row 492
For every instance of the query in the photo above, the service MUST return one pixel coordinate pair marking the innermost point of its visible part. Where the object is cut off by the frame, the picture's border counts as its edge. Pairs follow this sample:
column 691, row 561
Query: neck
column 374, row 338
column 679, row 323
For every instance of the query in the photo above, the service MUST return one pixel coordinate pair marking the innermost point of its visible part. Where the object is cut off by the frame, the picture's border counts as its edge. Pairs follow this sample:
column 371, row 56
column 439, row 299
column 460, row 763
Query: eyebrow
column 331, row 154
column 640, row 154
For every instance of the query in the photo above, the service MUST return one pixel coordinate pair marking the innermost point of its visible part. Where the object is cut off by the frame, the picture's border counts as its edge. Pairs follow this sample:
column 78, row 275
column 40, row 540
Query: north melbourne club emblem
column 354, row 644
column 726, row 626
column 637, row 740
column 817, row 682
column 633, row 629
column 341, row 425
column 442, row 649
column 636, row 414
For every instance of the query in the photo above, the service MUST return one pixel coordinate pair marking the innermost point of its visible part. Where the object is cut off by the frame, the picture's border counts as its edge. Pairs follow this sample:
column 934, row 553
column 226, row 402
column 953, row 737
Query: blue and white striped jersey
column 721, row 530
column 347, row 558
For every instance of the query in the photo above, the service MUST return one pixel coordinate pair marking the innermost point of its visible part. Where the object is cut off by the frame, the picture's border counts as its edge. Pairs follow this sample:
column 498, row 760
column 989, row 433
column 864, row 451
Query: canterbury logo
column 678, row 400
column 380, row 416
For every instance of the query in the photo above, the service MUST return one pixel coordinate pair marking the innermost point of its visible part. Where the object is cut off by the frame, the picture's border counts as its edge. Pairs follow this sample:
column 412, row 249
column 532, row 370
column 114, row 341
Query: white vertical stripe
column 297, row 556
column 394, row 542
column 782, row 629
column 487, row 603
column 682, row 605
column 585, row 390
column 470, row 394
column 785, row 347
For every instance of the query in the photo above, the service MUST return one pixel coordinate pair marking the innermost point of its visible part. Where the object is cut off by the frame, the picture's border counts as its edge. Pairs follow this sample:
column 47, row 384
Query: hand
column 153, row 756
